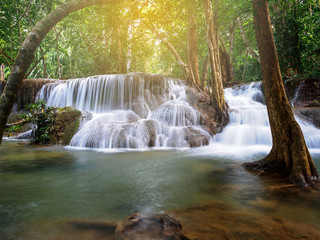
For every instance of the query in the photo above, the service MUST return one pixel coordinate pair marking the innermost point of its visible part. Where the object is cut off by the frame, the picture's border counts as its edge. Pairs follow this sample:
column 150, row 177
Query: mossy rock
column 66, row 124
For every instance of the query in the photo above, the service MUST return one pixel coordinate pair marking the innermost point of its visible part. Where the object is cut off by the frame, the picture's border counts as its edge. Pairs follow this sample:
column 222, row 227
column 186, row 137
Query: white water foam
column 248, row 132
column 133, row 111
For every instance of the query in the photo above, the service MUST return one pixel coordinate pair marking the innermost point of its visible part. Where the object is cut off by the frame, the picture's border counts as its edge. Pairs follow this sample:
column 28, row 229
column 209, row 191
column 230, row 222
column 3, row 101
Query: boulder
column 149, row 227
column 196, row 137
column 177, row 139
column 66, row 124
column 151, row 126
column 138, row 226
column 140, row 108
column 209, row 118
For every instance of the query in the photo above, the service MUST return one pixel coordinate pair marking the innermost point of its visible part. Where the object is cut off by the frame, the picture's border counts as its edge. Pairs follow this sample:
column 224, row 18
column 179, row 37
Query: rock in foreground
column 144, row 227
column 135, row 227
column 66, row 124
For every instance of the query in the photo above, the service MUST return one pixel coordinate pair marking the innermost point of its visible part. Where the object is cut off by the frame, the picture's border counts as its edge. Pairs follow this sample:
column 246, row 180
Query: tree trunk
column 2, row 73
column 204, row 77
column 192, row 43
column 26, row 53
column 289, row 154
column 226, row 67
column 216, row 77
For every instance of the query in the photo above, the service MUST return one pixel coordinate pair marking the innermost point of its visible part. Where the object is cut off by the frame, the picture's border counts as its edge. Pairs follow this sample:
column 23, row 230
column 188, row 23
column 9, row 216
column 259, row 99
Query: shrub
column 42, row 117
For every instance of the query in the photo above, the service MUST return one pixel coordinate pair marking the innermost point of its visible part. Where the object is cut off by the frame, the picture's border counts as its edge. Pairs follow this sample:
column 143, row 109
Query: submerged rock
column 148, row 227
column 135, row 227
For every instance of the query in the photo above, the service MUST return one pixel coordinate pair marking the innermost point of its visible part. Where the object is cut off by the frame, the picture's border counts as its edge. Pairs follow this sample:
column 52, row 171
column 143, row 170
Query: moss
column 71, row 129
column 66, row 124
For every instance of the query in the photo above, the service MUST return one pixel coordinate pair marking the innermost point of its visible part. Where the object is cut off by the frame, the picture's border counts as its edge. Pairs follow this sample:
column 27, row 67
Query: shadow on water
column 27, row 159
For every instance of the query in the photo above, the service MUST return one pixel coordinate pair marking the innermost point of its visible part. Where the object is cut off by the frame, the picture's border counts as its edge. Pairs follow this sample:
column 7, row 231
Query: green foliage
column 297, row 37
column 42, row 117
column 13, row 129
column 248, row 71
column 117, row 37
column 7, row 72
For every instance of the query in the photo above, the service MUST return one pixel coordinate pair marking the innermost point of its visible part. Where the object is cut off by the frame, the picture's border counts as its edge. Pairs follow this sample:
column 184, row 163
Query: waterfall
column 249, row 123
column 296, row 94
column 130, row 111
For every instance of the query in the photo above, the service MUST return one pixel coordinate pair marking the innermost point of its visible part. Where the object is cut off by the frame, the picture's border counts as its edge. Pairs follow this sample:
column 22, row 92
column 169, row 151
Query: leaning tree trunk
column 26, row 53
column 289, row 154
column 216, row 76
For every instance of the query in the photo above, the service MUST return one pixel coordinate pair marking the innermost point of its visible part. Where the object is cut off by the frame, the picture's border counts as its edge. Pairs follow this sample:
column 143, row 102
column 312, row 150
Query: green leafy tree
column 296, row 30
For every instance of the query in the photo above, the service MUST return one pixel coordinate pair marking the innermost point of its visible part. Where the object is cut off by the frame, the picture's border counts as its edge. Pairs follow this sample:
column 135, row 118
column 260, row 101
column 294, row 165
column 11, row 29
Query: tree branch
column 6, row 55
column 170, row 47
column 245, row 41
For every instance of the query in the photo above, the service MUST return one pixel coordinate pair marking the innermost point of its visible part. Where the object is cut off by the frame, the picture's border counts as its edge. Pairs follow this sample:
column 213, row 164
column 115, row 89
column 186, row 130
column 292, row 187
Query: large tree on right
column 289, row 154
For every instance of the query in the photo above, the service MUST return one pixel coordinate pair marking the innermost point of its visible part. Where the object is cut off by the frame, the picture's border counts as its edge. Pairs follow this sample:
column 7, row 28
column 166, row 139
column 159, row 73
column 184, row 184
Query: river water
column 43, row 189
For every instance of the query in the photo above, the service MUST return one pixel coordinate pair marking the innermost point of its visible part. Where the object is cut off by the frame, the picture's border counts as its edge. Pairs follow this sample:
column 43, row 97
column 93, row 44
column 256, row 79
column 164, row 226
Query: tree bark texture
column 192, row 43
column 216, row 76
column 2, row 72
column 27, row 49
column 289, row 154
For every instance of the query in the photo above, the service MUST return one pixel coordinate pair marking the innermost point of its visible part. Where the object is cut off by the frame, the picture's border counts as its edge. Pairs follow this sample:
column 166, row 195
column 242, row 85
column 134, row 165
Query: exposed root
column 272, row 164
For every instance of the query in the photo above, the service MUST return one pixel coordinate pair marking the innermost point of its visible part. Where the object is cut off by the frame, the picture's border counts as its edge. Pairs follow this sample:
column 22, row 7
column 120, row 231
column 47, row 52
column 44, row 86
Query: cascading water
column 295, row 97
column 130, row 111
column 249, row 123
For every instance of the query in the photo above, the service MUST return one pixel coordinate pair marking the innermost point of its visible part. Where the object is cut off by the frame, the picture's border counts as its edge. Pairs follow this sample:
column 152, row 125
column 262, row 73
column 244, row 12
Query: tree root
column 304, row 178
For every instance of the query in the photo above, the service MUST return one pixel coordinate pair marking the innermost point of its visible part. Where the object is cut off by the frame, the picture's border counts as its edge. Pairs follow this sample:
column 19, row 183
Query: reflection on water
column 42, row 187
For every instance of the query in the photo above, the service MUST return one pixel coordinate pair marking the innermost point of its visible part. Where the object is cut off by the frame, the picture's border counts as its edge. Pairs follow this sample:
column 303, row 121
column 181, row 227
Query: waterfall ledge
column 134, row 110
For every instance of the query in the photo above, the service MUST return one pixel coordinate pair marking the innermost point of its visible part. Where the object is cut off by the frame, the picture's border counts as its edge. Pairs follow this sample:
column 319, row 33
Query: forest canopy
column 135, row 36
